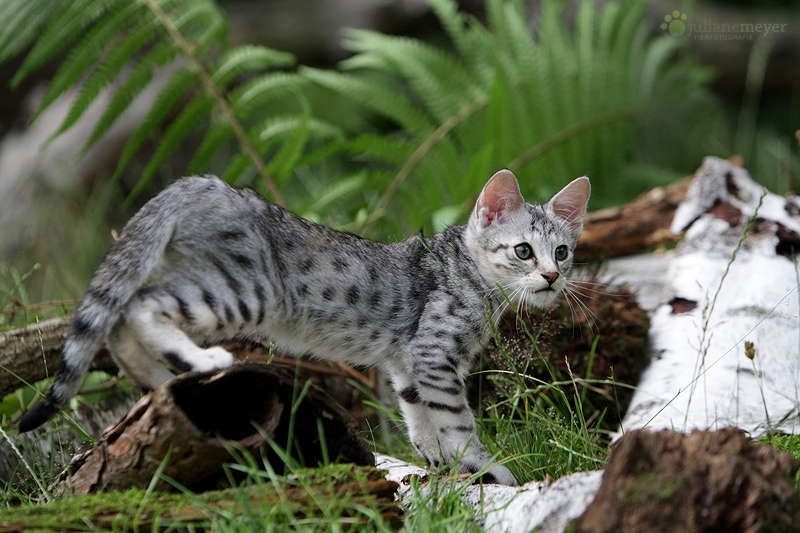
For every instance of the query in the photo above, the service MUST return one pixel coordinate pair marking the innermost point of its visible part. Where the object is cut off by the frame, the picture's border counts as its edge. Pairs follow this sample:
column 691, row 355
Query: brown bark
column 31, row 353
column 634, row 227
column 189, row 424
column 705, row 481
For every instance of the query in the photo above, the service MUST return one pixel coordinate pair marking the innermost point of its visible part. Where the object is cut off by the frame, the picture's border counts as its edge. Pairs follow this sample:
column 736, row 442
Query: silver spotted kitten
column 203, row 262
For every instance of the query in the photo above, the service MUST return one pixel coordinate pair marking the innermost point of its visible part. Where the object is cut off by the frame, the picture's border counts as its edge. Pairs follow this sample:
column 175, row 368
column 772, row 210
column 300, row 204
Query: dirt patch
column 705, row 481
column 608, row 346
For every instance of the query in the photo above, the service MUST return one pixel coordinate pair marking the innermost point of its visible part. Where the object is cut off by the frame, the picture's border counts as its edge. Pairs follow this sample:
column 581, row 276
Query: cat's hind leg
column 152, row 320
column 134, row 359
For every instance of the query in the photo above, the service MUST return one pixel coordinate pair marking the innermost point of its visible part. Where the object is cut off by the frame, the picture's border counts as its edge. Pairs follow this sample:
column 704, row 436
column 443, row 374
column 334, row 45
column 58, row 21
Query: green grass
column 786, row 443
column 306, row 499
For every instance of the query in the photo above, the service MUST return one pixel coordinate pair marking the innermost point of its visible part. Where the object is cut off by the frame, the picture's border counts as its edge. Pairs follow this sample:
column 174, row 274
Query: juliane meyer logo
column 707, row 29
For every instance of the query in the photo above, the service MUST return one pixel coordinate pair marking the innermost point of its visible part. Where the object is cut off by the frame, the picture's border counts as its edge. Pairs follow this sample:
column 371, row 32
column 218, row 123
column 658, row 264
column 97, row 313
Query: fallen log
column 640, row 225
column 189, row 425
column 725, row 333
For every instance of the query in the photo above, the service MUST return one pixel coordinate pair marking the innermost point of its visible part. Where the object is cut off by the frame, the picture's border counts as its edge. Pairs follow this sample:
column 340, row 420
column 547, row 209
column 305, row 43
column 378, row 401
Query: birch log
column 726, row 333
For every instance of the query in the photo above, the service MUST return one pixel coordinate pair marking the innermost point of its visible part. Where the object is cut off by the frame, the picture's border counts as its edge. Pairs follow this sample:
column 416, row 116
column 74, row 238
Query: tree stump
column 705, row 481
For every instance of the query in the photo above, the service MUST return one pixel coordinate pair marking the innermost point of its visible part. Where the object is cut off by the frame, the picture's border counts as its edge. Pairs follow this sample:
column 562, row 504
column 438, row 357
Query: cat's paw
column 500, row 475
column 214, row 358
column 491, row 473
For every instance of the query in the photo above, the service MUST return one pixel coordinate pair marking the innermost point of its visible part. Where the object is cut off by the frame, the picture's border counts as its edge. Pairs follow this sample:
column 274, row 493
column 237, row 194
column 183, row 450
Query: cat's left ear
column 499, row 199
column 570, row 203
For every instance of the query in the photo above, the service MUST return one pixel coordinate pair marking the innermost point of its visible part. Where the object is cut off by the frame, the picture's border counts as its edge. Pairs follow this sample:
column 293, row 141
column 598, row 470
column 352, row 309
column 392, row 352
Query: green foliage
column 785, row 443
column 122, row 46
column 594, row 96
column 552, row 105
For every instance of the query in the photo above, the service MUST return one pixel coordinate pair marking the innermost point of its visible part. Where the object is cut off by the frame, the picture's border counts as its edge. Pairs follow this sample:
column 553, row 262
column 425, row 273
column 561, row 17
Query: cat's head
column 526, row 249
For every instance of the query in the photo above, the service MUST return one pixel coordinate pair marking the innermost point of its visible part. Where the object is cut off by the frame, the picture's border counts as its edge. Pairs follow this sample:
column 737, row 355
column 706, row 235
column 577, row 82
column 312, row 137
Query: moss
column 100, row 510
column 647, row 487
column 138, row 509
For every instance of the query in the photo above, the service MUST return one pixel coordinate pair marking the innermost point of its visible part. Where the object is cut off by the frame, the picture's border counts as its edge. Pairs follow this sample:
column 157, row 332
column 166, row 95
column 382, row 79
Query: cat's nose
column 551, row 277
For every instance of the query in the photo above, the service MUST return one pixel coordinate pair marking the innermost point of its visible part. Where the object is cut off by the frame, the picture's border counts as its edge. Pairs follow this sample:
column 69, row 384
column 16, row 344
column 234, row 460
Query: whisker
column 584, row 292
column 590, row 287
column 591, row 317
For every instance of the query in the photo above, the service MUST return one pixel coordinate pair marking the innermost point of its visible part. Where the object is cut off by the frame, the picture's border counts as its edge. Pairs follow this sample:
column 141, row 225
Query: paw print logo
column 675, row 23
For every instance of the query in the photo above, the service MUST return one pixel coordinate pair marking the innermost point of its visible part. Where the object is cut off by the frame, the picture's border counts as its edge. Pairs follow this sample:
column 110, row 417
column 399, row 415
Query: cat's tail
column 127, row 265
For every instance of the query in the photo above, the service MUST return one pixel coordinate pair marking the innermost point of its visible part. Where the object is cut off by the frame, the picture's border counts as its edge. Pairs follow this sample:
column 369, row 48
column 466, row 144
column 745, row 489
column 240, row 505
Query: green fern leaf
column 293, row 131
column 325, row 197
column 508, row 24
column 392, row 105
column 20, row 23
column 282, row 126
column 195, row 112
column 249, row 59
column 106, row 71
column 282, row 163
column 65, row 24
column 201, row 23
column 164, row 103
column 441, row 82
column 139, row 77
column 245, row 99
column 455, row 25
column 214, row 139
column 380, row 148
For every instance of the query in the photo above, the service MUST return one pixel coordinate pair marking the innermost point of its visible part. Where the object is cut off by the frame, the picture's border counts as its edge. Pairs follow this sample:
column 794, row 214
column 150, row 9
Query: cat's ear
column 570, row 203
column 499, row 199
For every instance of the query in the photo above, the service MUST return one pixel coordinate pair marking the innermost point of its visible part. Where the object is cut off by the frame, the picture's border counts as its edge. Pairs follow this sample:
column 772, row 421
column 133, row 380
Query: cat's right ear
column 500, row 197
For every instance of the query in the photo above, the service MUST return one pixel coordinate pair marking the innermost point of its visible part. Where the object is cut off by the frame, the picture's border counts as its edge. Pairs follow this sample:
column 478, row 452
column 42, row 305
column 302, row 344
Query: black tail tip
column 41, row 413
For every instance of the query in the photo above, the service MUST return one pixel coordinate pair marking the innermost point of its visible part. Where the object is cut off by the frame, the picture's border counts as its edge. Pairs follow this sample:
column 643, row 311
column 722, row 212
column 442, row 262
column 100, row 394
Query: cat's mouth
column 546, row 289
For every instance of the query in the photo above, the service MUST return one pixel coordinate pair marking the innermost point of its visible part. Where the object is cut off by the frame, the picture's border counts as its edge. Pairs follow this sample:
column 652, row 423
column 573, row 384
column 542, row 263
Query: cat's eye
column 561, row 253
column 523, row 251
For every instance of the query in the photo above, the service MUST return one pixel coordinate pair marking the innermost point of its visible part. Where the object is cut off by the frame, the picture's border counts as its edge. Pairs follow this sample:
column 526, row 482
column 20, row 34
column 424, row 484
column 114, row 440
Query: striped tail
column 125, row 268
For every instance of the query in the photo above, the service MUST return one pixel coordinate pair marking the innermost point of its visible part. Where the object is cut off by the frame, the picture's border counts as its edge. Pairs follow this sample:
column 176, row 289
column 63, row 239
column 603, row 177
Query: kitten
column 222, row 263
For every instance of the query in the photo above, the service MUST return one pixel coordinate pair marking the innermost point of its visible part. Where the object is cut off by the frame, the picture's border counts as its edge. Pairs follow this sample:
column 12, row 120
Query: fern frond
column 248, row 59
column 107, row 70
column 380, row 148
column 508, row 23
column 23, row 22
column 140, row 75
column 289, row 153
column 193, row 114
column 264, row 89
column 292, row 132
column 440, row 81
column 456, row 25
column 391, row 105
column 282, row 126
column 326, row 197
column 215, row 138
column 164, row 103
column 64, row 24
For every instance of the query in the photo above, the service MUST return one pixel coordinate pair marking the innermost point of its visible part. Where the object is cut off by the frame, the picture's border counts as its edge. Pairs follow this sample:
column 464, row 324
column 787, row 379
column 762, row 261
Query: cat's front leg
column 441, row 425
